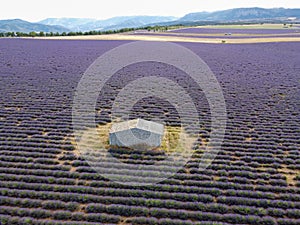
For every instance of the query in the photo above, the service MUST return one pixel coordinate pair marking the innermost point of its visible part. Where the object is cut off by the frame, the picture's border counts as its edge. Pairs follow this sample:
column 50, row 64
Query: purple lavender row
column 236, row 31
column 232, row 36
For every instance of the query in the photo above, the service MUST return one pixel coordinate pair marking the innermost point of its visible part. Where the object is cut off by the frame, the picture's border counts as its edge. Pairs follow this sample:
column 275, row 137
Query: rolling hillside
column 276, row 15
column 243, row 14
column 114, row 23
column 17, row 25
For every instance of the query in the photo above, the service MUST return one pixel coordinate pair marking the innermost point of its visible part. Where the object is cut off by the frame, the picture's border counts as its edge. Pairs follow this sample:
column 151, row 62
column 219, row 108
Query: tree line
column 80, row 33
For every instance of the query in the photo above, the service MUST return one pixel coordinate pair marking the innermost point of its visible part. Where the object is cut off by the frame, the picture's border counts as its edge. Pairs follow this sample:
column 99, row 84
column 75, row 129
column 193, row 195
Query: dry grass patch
column 127, row 37
column 289, row 174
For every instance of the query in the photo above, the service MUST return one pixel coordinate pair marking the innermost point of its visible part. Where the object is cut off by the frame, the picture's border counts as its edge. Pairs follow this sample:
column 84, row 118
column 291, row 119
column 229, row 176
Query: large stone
column 136, row 134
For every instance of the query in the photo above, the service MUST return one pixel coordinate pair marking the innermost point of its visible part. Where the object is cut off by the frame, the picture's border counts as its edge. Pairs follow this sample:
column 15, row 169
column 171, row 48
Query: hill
column 275, row 15
column 114, row 23
column 70, row 23
column 17, row 25
column 242, row 14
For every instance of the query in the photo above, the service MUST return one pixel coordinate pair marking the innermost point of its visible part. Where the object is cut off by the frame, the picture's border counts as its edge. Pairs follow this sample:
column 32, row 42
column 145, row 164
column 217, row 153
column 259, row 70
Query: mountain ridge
column 113, row 23
column 239, row 14
column 253, row 14
column 18, row 25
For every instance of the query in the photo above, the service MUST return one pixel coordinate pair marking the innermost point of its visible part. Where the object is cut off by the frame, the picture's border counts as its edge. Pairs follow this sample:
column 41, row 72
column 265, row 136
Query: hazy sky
column 35, row 10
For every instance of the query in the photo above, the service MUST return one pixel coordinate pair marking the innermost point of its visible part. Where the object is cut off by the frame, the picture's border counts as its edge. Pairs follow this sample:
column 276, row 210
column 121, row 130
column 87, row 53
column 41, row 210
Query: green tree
column 71, row 33
column 32, row 34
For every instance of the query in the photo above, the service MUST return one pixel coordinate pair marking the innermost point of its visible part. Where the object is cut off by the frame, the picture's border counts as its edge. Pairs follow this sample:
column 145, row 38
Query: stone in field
column 137, row 133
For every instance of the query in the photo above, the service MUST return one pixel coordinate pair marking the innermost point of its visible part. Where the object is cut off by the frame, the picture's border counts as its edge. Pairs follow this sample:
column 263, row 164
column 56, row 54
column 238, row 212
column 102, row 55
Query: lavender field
column 255, row 178
column 223, row 35
column 236, row 30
